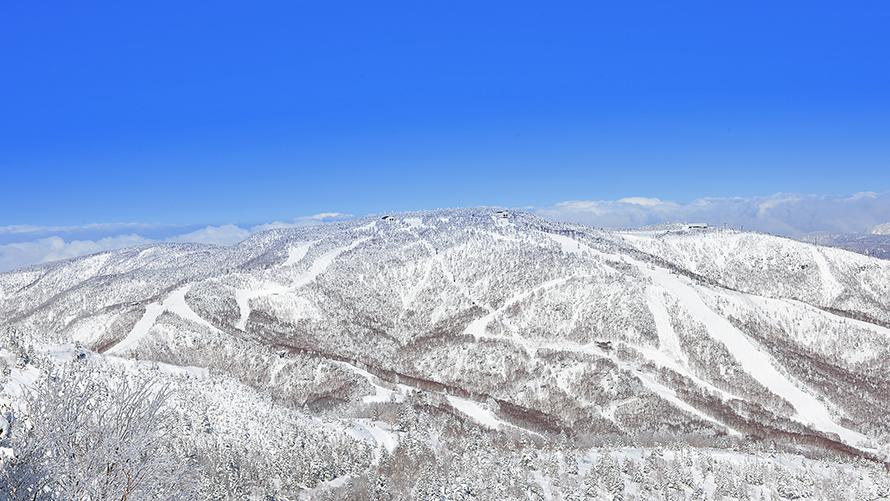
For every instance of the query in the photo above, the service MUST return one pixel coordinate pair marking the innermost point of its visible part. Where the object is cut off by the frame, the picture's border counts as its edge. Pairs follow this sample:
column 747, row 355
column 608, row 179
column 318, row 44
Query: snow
column 376, row 432
column 174, row 303
column 381, row 394
column 464, row 291
column 19, row 379
column 60, row 352
column 297, row 253
column 322, row 263
column 807, row 323
column 573, row 246
column 544, row 483
column 413, row 223
column 535, row 286
column 319, row 265
column 668, row 342
column 187, row 371
column 755, row 362
column 244, row 296
column 659, row 358
column 498, row 237
column 471, row 408
column 568, row 245
column 478, row 413
column 309, row 494
column 831, row 288
column 291, row 308
column 609, row 411
column 477, row 327
column 671, row 396
column 90, row 329
column 409, row 297
column 366, row 227
column 140, row 330
column 503, row 222
column 647, row 380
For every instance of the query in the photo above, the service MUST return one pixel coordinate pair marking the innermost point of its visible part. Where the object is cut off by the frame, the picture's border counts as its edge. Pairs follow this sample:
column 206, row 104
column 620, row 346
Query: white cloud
column 326, row 216
column 43, row 250
column 783, row 213
column 320, row 218
column 20, row 254
column 38, row 247
column 227, row 234
column 18, row 229
column 645, row 202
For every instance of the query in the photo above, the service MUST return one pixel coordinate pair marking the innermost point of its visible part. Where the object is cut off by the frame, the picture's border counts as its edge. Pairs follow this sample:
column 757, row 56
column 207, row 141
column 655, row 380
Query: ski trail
column 662, row 360
column 758, row 364
column 460, row 287
column 574, row 246
column 647, row 380
column 477, row 327
column 670, row 353
column 244, row 296
column 831, row 288
column 408, row 299
column 321, row 263
column 376, row 432
column 668, row 342
column 152, row 312
column 296, row 254
column 174, row 303
column 609, row 411
column 366, row 227
column 671, row 396
column 471, row 408
column 475, row 411
column 567, row 244
column 381, row 393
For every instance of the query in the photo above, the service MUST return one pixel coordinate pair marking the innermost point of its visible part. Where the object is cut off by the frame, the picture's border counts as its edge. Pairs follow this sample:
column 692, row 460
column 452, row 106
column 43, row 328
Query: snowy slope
column 516, row 325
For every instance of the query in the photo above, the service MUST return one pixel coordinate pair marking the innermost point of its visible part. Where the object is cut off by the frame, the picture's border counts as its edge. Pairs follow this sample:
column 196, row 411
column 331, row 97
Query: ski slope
column 321, row 263
column 757, row 363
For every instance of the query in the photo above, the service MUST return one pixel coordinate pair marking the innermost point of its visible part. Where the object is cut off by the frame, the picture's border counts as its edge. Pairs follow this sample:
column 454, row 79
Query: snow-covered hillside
column 570, row 356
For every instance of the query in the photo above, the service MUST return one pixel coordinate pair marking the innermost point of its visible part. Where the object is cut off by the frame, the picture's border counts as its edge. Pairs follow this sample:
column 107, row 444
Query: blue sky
column 176, row 113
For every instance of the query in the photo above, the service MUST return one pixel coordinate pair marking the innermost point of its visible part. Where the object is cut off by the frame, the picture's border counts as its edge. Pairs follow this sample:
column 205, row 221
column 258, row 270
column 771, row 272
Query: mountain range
column 486, row 353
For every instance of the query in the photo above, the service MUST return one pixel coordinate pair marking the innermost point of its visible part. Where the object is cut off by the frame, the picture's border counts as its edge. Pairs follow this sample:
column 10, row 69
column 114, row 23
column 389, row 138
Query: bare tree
column 78, row 439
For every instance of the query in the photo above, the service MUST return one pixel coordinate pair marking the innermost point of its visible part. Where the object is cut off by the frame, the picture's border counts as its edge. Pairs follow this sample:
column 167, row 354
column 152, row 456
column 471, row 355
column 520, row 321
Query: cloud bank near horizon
column 30, row 244
column 792, row 215
column 786, row 214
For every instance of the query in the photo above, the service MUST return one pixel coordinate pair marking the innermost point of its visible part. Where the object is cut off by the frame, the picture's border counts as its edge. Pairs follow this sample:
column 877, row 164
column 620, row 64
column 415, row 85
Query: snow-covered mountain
column 411, row 339
column 870, row 244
